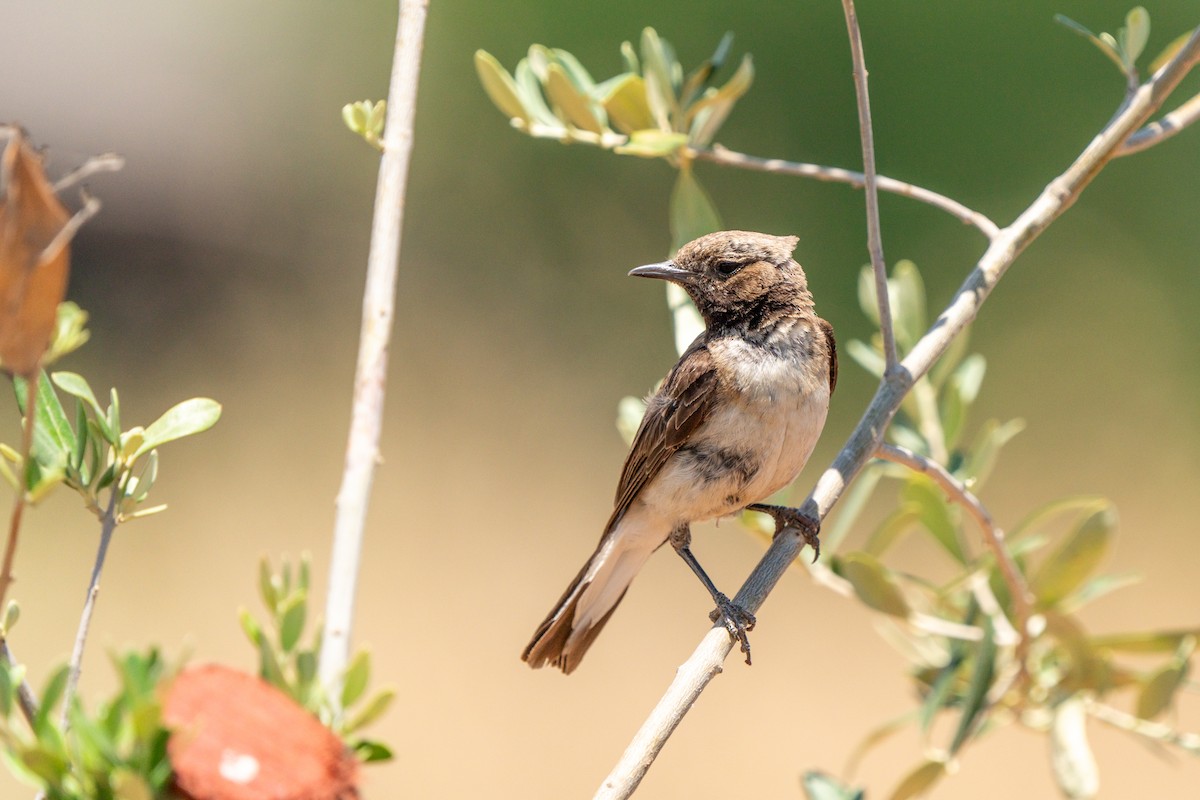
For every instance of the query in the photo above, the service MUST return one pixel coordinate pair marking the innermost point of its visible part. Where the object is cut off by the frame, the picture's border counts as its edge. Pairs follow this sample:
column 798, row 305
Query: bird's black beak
column 666, row 270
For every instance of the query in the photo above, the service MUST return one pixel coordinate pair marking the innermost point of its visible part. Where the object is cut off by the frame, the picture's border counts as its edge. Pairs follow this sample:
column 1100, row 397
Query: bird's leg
column 785, row 517
column 736, row 619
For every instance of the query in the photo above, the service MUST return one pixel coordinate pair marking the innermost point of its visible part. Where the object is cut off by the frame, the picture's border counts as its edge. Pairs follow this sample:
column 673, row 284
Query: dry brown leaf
column 34, row 257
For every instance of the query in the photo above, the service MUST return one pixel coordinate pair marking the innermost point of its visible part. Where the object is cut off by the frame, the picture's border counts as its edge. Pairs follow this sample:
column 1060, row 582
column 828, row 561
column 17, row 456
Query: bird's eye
column 727, row 268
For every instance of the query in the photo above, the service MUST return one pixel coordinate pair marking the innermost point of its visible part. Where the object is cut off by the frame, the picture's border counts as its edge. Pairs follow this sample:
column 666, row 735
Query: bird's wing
column 673, row 414
column 827, row 329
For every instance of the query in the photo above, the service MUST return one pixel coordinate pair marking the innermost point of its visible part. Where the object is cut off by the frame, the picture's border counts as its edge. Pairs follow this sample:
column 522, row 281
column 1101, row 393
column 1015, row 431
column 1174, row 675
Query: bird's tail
column 589, row 601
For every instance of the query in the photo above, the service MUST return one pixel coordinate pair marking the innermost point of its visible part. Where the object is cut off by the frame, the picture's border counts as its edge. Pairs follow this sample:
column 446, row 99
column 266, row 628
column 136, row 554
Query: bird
column 733, row 422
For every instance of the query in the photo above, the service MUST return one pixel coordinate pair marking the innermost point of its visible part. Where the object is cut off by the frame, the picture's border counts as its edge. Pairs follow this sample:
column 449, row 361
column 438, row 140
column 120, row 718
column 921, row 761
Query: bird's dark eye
column 727, row 268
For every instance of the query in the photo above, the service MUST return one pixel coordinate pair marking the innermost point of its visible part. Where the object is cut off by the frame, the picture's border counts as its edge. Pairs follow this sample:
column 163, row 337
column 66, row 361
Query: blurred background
column 228, row 261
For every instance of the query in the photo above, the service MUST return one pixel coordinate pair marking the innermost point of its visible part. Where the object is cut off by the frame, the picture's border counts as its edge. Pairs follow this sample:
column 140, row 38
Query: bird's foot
column 785, row 517
column 736, row 620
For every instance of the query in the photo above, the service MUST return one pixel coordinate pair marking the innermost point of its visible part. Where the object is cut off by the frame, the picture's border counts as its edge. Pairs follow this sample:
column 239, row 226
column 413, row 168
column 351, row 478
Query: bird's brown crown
column 743, row 277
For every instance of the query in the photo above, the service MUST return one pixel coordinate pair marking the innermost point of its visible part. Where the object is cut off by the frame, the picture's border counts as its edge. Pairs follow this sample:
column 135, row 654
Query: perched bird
column 735, row 421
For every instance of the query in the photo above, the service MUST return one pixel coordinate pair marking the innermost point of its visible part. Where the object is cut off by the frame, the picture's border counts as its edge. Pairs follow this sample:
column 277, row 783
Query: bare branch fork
column 370, row 377
column 705, row 662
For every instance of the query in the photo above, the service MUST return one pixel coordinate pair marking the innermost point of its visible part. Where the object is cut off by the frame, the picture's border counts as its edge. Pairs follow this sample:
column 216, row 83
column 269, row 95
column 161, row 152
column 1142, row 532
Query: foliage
column 366, row 119
column 285, row 663
column 92, row 453
column 117, row 753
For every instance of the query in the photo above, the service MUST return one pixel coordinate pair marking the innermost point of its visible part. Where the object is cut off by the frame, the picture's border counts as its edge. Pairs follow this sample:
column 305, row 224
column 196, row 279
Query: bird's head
column 737, row 277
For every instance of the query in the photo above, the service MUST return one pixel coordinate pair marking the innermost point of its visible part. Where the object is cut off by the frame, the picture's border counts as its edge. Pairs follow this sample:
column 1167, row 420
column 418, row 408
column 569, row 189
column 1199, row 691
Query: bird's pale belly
column 741, row 455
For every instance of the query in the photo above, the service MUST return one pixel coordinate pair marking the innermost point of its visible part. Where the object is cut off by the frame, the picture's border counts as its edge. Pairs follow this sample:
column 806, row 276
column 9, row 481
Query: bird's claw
column 737, row 621
column 785, row 517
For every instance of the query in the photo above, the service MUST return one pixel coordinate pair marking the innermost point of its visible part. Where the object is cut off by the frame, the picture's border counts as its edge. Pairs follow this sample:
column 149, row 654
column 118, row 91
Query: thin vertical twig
column 871, row 188
column 108, row 524
column 370, row 377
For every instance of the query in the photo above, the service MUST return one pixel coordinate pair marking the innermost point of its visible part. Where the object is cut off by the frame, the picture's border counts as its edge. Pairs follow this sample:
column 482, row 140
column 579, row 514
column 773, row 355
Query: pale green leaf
column 1134, row 35
column 819, row 786
column 626, row 105
column 1158, row 693
column 529, row 91
column 375, row 708
column 1076, row 558
column 1104, row 41
column 934, row 513
column 975, row 701
column 867, row 294
column 652, row 143
column 692, row 211
column 291, row 622
column 919, row 780
column 185, row 419
column 708, row 114
column 658, row 68
column 500, row 86
column 906, row 294
column 873, row 584
column 865, row 356
column 575, row 107
column 1145, row 641
column 355, row 680
column 1169, row 52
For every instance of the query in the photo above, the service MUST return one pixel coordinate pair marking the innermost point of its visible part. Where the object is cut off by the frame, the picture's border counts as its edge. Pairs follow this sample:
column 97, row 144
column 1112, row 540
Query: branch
column 1163, row 129
column 874, row 235
column 1151, row 730
column 25, row 697
column 370, row 377
column 108, row 524
column 705, row 662
column 726, row 157
column 1018, row 589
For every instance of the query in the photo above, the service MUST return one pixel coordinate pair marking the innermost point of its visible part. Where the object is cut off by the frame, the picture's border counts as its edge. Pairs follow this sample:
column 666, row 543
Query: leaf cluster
column 650, row 109
column 117, row 753
column 89, row 451
column 971, row 663
column 1126, row 46
column 286, row 663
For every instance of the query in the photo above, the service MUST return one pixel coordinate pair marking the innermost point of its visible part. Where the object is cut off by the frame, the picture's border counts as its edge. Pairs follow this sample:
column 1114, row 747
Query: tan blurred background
column 228, row 262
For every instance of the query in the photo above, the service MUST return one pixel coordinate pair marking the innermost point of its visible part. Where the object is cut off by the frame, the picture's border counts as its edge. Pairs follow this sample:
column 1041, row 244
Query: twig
column 108, row 162
column 370, row 378
column 874, row 235
column 705, row 662
column 108, row 524
column 1151, row 730
column 1156, row 132
column 722, row 155
column 25, row 697
column 1018, row 588
column 14, row 523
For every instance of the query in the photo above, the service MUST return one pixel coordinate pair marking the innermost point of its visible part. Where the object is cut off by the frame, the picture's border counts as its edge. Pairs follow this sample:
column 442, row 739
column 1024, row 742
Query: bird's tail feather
column 580, row 614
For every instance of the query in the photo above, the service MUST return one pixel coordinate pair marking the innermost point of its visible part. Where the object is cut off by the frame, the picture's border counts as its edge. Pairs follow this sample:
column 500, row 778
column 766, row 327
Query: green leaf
column 1145, row 641
column 849, row 508
column 355, row 680
column 629, row 58
column 867, row 294
column 692, row 211
column 1159, row 692
column 865, row 356
column 1076, row 558
column 500, row 86
column 935, row 514
column 943, row 685
column 250, row 626
column 375, row 708
column 1169, row 52
column 919, row 780
column 575, row 107
column 580, row 77
column 873, row 584
column 629, row 416
column 708, row 114
column 530, row 92
column 1105, row 42
column 652, row 143
column 906, row 294
column 1133, row 37
column 893, row 526
column 626, row 105
column 657, row 69
column 54, row 440
column 291, row 622
column 52, row 692
column 700, row 77
column 185, row 419
column 992, row 437
column 975, row 701
column 1071, row 756
column 268, row 664
column 819, row 786
column 370, row 752
column 969, row 376
column 69, row 332
column 1097, row 587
